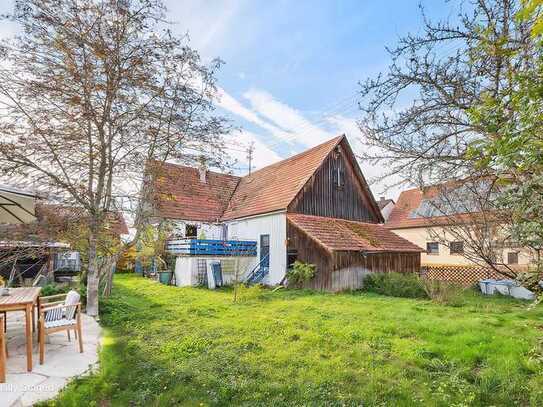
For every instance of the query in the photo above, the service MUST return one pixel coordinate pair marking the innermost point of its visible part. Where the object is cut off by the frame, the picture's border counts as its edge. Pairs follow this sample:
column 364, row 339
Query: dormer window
column 191, row 231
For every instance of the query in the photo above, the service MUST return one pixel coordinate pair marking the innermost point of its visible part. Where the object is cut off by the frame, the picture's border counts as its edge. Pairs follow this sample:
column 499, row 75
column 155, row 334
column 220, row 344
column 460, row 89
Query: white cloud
column 231, row 104
column 297, row 127
column 208, row 23
column 262, row 155
column 287, row 125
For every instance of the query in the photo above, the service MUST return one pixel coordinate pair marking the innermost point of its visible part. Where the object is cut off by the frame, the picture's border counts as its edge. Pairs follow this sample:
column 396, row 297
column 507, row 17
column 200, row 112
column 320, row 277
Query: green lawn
column 188, row 346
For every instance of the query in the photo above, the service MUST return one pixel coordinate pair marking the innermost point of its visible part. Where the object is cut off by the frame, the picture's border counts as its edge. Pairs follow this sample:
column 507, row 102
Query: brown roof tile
column 344, row 235
column 274, row 187
column 410, row 200
column 52, row 221
column 181, row 195
column 407, row 202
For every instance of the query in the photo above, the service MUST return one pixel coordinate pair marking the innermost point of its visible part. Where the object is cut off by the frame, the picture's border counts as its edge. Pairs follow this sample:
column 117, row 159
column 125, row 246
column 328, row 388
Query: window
column 191, row 231
column 432, row 247
column 457, row 247
column 338, row 172
column 340, row 177
column 265, row 250
column 292, row 256
column 512, row 258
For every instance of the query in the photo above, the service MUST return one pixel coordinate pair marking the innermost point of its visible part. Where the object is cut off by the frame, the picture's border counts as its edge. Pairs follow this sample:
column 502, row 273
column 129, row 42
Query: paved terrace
column 62, row 362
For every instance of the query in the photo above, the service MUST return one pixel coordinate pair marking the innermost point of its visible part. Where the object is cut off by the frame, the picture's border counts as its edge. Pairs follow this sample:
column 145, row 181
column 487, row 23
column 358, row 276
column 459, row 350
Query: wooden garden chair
column 3, row 352
column 57, row 313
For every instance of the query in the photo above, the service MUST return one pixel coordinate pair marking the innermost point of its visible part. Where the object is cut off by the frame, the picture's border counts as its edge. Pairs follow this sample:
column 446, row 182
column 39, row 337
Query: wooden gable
column 338, row 190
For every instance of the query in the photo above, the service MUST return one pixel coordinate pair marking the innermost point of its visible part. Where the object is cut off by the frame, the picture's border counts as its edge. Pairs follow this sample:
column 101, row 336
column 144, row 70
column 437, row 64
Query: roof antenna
column 202, row 169
column 250, row 151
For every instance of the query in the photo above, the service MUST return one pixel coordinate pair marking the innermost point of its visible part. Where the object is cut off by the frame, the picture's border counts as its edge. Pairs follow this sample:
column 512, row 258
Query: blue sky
column 292, row 68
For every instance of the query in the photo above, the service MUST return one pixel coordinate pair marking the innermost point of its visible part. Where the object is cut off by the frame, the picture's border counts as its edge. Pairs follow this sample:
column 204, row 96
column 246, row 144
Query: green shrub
column 300, row 273
column 54, row 289
column 406, row 285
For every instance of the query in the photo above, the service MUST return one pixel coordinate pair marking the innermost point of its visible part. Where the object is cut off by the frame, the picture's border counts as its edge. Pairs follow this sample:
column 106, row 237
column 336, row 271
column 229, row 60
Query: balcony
column 207, row 247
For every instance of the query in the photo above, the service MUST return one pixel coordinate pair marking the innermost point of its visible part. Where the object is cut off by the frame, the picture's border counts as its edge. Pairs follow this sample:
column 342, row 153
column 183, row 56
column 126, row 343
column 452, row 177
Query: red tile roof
column 274, row 187
column 54, row 220
column 179, row 193
column 344, row 235
column 407, row 202
column 52, row 216
column 410, row 200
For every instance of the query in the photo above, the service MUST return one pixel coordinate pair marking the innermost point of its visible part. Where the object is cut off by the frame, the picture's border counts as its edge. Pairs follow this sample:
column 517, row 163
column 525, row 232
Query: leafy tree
column 515, row 150
column 446, row 108
column 90, row 90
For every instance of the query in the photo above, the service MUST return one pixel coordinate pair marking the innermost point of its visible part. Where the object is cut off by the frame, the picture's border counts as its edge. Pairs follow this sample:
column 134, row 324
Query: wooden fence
column 464, row 275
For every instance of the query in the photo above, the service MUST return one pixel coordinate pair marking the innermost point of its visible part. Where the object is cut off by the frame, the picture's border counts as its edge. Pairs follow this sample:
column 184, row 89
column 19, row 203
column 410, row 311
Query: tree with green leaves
column 447, row 108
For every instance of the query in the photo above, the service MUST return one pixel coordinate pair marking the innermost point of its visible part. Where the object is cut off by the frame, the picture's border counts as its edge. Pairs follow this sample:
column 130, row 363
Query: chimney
column 381, row 199
column 203, row 173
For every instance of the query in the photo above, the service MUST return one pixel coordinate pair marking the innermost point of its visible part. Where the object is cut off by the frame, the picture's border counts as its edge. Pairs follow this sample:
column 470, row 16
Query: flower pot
column 165, row 277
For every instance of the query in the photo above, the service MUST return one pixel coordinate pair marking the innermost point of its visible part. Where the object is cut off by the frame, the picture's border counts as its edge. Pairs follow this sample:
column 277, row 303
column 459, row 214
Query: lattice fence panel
column 465, row 275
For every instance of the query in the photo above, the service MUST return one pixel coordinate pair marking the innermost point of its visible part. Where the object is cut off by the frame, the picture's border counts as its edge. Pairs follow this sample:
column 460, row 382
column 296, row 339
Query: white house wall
column 233, row 269
column 274, row 225
column 420, row 236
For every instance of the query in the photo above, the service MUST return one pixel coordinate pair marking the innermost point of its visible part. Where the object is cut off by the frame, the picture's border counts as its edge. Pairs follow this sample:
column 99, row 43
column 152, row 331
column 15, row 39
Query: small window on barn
column 338, row 175
column 512, row 258
column 191, row 231
column 292, row 256
column 432, row 247
column 456, row 247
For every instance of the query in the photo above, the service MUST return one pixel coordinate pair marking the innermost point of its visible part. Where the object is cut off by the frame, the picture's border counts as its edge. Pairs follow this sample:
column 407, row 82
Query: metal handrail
column 252, row 273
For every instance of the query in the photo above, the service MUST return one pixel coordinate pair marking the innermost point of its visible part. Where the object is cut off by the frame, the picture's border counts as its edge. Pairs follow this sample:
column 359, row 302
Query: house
column 314, row 207
column 419, row 217
column 23, row 252
column 385, row 206
column 30, row 236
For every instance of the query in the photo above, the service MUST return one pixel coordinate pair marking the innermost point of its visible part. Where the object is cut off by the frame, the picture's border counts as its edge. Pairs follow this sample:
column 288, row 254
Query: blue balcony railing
column 208, row 247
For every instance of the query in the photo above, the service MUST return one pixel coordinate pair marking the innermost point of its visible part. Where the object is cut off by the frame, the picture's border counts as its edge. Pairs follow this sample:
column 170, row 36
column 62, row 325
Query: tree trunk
column 93, row 278
column 107, row 277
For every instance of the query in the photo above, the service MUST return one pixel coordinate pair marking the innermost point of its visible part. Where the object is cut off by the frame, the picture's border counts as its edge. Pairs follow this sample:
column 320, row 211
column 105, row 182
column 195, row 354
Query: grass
column 187, row 346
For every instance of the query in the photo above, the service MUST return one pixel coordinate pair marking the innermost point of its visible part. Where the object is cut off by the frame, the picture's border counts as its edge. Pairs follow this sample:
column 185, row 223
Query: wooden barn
column 314, row 207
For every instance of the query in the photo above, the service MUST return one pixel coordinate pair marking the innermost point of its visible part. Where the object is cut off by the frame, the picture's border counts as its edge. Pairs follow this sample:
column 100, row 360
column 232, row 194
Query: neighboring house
column 416, row 219
column 315, row 207
column 385, row 206
column 24, row 251
column 31, row 240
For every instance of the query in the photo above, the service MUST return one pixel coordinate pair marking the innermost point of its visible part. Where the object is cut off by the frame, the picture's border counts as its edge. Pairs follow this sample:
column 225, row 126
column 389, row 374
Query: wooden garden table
column 23, row 299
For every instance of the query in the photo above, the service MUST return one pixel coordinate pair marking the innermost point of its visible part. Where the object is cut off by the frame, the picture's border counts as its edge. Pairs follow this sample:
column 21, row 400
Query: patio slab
column 63, row 362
